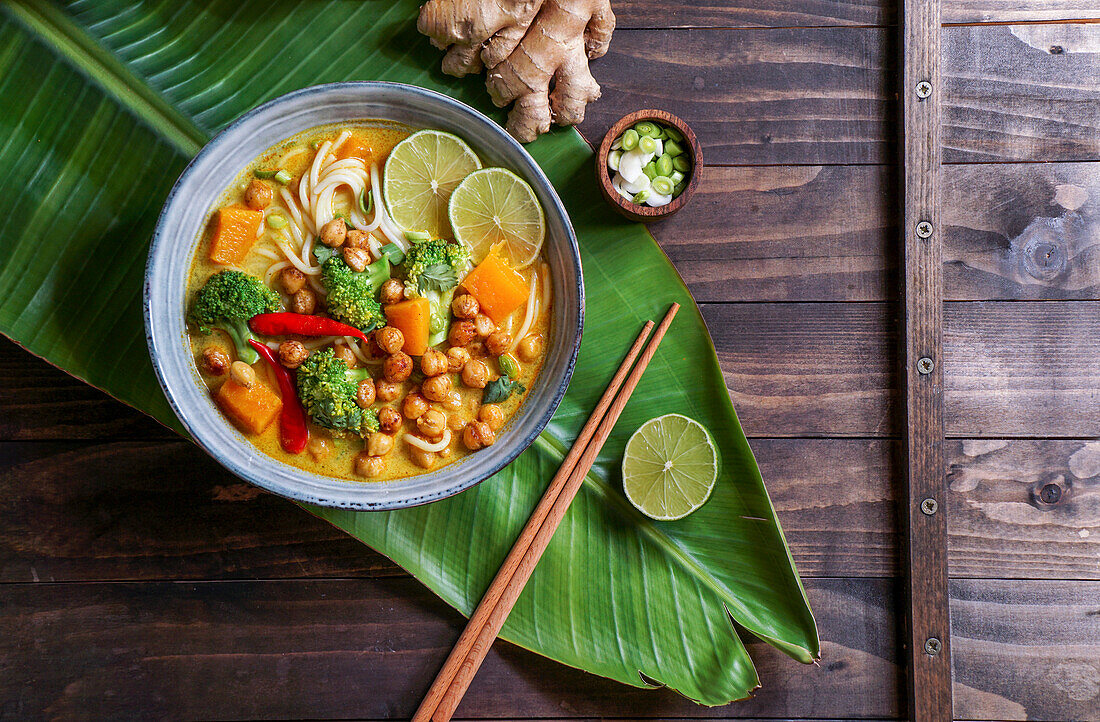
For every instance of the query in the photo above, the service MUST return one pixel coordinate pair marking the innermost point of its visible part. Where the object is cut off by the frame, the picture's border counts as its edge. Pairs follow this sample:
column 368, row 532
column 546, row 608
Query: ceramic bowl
column 642, row 212
column 179, row 231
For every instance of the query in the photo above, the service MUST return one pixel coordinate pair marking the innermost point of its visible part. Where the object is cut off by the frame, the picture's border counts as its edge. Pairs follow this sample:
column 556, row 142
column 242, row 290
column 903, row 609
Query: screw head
column 933, row 646
column 1050, row 493
column 924, row 229
column 925, row 366
column 929, row 506
column 924, row 89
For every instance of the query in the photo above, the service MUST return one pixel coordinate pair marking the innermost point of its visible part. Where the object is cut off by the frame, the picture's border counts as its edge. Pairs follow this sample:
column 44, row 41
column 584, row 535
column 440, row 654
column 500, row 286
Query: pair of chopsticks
column 462, row 664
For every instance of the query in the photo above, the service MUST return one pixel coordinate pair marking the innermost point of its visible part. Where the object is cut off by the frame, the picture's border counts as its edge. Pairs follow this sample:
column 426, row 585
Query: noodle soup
column 360, row 308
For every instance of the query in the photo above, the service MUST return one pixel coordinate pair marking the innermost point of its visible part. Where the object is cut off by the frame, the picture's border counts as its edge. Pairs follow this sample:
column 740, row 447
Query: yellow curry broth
column 296, row 155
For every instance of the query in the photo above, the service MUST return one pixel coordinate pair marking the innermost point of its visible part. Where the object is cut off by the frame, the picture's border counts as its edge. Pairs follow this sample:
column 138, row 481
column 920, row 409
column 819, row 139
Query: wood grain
column 1024, row 509
column 366, row 649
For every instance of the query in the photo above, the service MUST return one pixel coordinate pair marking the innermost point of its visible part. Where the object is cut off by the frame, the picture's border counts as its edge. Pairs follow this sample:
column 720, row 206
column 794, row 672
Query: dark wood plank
column 39, row 401
column 1021, row 92
column 751, row 13
column 1024, row 509
column 368, row 649
column 756, row 96
column 813, row 369
column 1023, row 369
column 165, row 511
column 1005, row 11
column 1026, row 649
column 1022, row 231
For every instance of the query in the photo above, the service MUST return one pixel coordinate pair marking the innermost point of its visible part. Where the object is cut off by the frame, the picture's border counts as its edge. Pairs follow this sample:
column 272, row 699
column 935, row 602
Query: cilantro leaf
column 500, row 389
column 437, row 277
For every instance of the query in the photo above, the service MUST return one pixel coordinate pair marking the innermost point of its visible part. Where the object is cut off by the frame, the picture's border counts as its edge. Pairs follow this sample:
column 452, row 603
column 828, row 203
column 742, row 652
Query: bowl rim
column 642, row 212
column 345, row 497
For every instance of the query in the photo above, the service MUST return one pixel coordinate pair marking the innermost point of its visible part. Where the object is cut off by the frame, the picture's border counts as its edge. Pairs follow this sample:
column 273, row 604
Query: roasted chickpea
column 530, row 347
column 387, row 390
column 357, row 239
column 484, row 325
column 357, row 258
column 390, row 339
column 433, row 363
column 369, row 466
column 389, row 419
column 319, row 447
column 243, row 374
column 453, row 400
column 461, row 333
column 475, row 374
column 365, row 393
column 414, row 406
column 258, row 196
column 392, row 291
column 379, row 444
column 444, row 452
column 397, row 366
column 334, row 233
column 423, row 459
column 215, row 361
column 455, row 422
column 465, row 306
column 345, row 354
column 432, row 423
column 292, row 280
column 292, row 354
column 492, row 415
column 304, row 301
column 498, row 343
column 437, row 388
column 457, row 356
column 477, row 435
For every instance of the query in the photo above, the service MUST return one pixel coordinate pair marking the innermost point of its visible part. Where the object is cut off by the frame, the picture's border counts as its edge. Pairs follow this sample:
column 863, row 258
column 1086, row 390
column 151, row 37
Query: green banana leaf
column 104, row 102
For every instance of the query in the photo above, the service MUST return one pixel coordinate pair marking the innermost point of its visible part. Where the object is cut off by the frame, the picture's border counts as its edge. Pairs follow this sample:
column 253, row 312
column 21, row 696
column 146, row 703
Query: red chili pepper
column 293, row 432
column 301, row 324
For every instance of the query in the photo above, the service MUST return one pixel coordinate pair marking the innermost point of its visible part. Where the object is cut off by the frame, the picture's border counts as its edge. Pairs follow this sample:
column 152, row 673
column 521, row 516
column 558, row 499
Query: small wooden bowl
column 631, row 210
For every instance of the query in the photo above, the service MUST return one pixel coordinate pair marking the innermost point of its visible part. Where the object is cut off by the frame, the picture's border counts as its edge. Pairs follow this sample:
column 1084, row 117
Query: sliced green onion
column 265, row 174
column 314, row 144
column 617, row 144
column 673, row 148
column 673, row 134
column 664, row 164
column 397, row 256
column 640, row 196
column 681, row 163
column 630, row 139
column 438, row 323
column 647, row 144
column 647, row 129
column 663, row 185
column 283, row 177
column 275, row 221
column 509, row 365
column 679, row 188
column 417, row 236
column 676, row 176
column 650, row 169
column 367, row 205
column 613, row 159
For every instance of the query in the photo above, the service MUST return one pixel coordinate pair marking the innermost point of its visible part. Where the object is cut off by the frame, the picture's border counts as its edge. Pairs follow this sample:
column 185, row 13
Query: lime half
column 495, row 208
column 669, row 467
column 420, row 174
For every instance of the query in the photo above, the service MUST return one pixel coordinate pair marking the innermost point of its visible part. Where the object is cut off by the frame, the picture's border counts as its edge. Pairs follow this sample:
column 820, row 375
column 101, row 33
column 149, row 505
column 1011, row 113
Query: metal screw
column 925, row 366
column 1050, row 493
column 932, row 646
column 924, row 89
column 929, row 506
column 924, row 229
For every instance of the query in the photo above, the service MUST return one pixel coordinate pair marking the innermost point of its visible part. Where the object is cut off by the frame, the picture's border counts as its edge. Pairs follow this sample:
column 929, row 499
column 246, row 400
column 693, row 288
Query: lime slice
column 420, row 174
column 495, row 208
column 669, row 467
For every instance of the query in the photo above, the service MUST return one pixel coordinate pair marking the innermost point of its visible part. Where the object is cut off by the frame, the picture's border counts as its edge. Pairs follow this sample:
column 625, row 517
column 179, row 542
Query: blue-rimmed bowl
column 179, row 231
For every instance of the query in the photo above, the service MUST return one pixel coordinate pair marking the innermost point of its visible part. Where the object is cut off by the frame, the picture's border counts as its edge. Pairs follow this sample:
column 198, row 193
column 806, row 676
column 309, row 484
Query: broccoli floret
column 433, row 269
column 327, row 389
column 352, row 296
column 227, row 301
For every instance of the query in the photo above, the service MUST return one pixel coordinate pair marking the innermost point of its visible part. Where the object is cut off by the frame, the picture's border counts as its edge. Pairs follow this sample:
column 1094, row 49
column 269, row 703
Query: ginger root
column 525, row 44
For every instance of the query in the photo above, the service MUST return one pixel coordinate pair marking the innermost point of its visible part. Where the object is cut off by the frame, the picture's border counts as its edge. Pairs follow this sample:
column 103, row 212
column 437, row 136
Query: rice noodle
column 532, row 310
column 353, row 343
column 423, row 445
column 270, row 255
column 546, row 287
column 293, row 257
column 340, row 140
column 315, row 343
column 273, row 269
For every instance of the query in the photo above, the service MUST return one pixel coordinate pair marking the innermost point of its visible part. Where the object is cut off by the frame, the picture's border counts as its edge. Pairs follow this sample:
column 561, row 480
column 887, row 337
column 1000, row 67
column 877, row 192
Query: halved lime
column 669, row 467
column 495, row 208
column 420, row 174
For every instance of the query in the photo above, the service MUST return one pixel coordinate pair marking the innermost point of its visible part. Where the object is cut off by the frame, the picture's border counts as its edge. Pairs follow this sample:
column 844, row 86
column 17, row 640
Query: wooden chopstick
column 462, row 664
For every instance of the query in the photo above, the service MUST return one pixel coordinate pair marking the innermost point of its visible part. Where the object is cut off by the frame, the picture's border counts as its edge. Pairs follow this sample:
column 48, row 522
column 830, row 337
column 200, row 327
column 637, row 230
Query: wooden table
column 140, row 580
